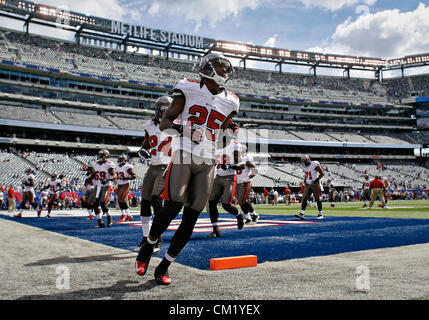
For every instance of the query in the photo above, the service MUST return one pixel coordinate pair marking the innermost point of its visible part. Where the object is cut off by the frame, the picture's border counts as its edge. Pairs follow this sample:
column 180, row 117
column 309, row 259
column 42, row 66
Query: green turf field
column 418, row 209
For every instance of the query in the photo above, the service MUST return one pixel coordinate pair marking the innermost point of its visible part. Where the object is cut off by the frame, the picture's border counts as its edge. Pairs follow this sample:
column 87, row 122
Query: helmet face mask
column 103, row 154
column 161, row 105
column 122, row 159
column 207, row 68
column 305, row 161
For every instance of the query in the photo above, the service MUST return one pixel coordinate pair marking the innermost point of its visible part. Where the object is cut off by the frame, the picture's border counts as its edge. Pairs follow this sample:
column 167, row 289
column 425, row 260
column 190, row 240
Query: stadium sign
column 168, row 37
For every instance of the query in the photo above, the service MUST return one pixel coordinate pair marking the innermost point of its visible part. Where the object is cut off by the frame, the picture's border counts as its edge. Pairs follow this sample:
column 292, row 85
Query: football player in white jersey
column 204, row 107
column 28, row 194
column 386, row 184
column 244, row 185
column 90, row 194
column 125, row 173
column 157, row 148
column 54, row 186
column 224, row 186
column 366, row 191
column 313, row 173
column 104, row 172
column 44, row 195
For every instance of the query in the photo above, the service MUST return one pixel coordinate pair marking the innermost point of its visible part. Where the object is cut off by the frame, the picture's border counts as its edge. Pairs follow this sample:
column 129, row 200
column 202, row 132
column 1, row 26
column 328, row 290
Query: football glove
column 143, row 153
column 194, row 133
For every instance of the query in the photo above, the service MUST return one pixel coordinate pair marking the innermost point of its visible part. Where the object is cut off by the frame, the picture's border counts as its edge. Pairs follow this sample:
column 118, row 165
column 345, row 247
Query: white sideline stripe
column 203, row 226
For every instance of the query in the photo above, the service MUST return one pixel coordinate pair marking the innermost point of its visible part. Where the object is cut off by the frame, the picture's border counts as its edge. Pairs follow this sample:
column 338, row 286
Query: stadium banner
column 156, row 35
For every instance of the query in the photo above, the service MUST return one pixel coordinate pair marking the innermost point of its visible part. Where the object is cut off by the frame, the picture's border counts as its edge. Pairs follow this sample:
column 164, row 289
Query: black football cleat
column 214, row 234
column 109, row 221
column 100, row 224
column 143, row 258
column 162, row 277
column 300, row 215
column 255, row 219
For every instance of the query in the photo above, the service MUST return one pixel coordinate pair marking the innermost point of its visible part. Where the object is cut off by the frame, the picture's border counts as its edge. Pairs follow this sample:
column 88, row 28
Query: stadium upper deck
column 99, row 91
column 78, row 86
column 59, row 96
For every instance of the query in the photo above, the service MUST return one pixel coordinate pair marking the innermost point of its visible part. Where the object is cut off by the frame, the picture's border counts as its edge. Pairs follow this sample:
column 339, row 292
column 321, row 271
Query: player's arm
column 167, row 123
column 146, row 144
column 237, row 165
column 321, row 174
column 132, row 174
column 253, row 169
column 227, row 131
column 62, row 185
column 144, row 150
column 90, row 172
column 113, row 175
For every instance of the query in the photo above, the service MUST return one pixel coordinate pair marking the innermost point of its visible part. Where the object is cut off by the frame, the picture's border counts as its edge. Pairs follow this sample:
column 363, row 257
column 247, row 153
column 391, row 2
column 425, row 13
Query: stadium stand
column 69, row 57
column 65, row 94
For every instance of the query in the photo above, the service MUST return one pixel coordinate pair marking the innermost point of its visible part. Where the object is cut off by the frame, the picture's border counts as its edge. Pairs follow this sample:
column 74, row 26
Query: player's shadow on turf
column 116, row 291
column 67, row 259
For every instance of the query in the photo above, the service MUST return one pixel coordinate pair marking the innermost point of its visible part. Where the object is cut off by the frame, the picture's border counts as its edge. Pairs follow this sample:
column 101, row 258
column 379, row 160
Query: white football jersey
column 54, row 185
column 205, row 111
column 102, row 171
column 226, row 156
column 44, row 194
column 28, row 179
column 310, row 172
column 160, row 144
column 243, row 174
column 122, row 172
column 365, row 184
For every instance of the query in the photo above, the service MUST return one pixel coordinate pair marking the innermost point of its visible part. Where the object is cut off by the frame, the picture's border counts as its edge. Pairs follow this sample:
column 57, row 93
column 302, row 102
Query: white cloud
column 271, row 42
column 334, row 5
column 207, row 12
column 110, row 9
column 385, row 34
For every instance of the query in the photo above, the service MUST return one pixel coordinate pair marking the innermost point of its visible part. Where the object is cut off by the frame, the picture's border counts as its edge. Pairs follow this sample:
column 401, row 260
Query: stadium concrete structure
column 61, row 101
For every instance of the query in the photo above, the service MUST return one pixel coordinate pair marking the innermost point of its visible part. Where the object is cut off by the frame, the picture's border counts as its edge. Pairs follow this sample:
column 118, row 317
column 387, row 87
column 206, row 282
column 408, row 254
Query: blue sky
column 290, row 24
column 376, row 28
